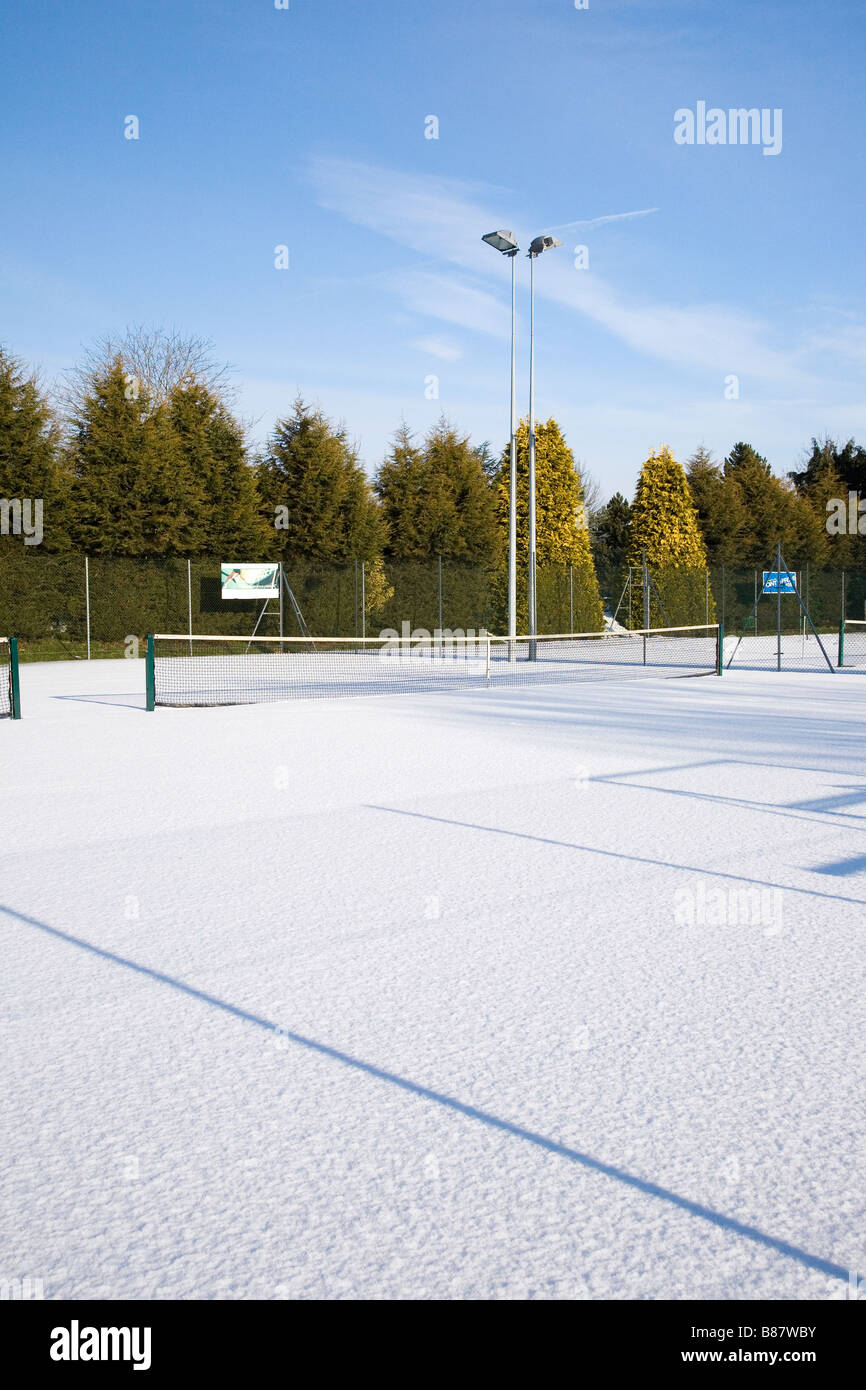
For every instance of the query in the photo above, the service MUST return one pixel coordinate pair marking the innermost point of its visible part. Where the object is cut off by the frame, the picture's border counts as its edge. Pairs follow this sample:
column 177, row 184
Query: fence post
column 87, row 599
column 571, row 598
column 439, row 558
column 779, row 606
column 808, row 576
column 13, row 672
column 189, row 600
column 150, row 675
column 720, row 649
column 841, row 658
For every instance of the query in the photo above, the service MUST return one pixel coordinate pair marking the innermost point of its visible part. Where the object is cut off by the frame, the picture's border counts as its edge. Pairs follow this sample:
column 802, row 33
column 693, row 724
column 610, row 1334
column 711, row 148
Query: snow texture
column 553, row 992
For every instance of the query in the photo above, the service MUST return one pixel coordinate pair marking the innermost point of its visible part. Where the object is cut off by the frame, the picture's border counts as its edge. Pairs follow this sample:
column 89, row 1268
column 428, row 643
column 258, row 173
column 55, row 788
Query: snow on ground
column 551, row 992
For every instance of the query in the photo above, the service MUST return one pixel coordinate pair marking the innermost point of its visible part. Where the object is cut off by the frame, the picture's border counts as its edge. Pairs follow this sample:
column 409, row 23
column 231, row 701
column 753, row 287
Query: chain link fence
column 797, row 631
column 64, row 606
column 67, row 606
column 762, row 631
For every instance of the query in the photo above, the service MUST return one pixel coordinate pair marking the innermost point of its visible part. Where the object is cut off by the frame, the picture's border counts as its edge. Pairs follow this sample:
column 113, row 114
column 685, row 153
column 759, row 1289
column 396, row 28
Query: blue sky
column 306, row 127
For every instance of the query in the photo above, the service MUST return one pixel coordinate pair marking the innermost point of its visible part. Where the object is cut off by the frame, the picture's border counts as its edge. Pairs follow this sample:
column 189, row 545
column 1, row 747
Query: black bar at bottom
column 228, row 1338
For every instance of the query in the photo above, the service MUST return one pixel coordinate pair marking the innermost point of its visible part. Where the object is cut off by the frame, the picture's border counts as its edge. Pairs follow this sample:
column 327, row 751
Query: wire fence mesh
column 800, row 651
column 788, row 631
column 852, row 644
column 44, row 599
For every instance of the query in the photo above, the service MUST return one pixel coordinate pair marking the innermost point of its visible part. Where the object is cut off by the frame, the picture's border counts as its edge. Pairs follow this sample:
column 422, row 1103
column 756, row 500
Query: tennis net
column 852, row 643
column 184, row 670
column 10, row 700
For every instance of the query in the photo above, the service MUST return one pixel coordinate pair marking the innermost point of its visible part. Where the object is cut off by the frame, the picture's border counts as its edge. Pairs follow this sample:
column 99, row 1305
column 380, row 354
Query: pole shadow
column 451, row 1103
column 616, row 854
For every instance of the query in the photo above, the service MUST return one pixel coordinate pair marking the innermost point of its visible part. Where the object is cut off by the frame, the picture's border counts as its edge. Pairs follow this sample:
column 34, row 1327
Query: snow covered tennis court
column 551, row 992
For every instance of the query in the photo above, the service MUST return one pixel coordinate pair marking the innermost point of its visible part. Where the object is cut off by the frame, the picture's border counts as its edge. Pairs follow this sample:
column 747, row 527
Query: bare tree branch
column 159, row 359
column 591, row 487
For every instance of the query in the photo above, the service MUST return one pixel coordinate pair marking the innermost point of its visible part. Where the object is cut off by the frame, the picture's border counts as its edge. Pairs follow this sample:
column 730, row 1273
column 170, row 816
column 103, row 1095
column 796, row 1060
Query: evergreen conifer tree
column 225, row 517
column 131, row 492
column 399, row 488
column 824, row 489
column 849, row 461
column 562, row 531
column 829, row 475
column 436, row 499
column 609, row 535
column 29, row 467
column 719, row 506
column 310, row 469
column 664, row 528
column 772, row 511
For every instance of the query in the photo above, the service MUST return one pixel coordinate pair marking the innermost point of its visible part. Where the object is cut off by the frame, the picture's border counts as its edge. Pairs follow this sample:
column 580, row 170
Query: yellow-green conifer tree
column 663, row 525
column 565, row 570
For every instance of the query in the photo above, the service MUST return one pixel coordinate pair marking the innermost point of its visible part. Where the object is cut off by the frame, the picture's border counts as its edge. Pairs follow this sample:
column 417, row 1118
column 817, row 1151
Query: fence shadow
column 539, row 1141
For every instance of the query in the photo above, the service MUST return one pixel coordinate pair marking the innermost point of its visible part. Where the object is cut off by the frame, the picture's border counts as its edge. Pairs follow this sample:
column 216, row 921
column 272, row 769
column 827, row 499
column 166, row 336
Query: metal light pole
column 779, row 606
column 539, row 245
column 512, row 469
column 533, row 605
column 505, row 242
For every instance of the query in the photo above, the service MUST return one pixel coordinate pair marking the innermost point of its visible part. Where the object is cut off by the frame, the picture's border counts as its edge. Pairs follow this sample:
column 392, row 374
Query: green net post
column 720, row 649
column 151, row 675
column 15, row 688
column 841, row 659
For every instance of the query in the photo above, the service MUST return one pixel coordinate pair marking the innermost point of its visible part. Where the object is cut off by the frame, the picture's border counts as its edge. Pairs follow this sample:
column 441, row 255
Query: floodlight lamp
column 503, row 241
column 543, row 243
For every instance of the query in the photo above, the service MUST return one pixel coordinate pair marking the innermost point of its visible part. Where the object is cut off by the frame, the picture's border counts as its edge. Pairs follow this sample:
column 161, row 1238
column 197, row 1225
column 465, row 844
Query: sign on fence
column 780, row 582
column 250, row 581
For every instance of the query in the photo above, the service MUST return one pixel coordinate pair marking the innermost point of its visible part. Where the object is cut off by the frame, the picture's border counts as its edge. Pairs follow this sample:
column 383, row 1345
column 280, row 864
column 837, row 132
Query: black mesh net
column 5, row 678
column 671, row 652
column 229, row 671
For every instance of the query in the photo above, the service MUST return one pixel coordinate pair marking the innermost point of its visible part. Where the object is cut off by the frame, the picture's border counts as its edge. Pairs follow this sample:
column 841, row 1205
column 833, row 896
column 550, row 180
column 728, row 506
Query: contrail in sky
column 598, row 221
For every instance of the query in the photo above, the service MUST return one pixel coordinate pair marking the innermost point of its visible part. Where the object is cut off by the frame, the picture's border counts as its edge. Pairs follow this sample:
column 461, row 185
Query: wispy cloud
column 432, row 215
column 454, row 300
column 600, row 221
column 444, row 217
column 847, row 342
column 444, row 348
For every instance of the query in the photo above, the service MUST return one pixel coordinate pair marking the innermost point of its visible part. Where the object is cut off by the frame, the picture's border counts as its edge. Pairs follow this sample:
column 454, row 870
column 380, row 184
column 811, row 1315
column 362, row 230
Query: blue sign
column 779, row 582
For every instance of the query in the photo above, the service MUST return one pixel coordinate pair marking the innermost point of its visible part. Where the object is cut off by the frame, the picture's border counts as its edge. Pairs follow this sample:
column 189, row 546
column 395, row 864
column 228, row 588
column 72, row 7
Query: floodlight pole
column 533, row 608
column 506, row 243
column 779, row 606
column 538, row 246
column 512, row 470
